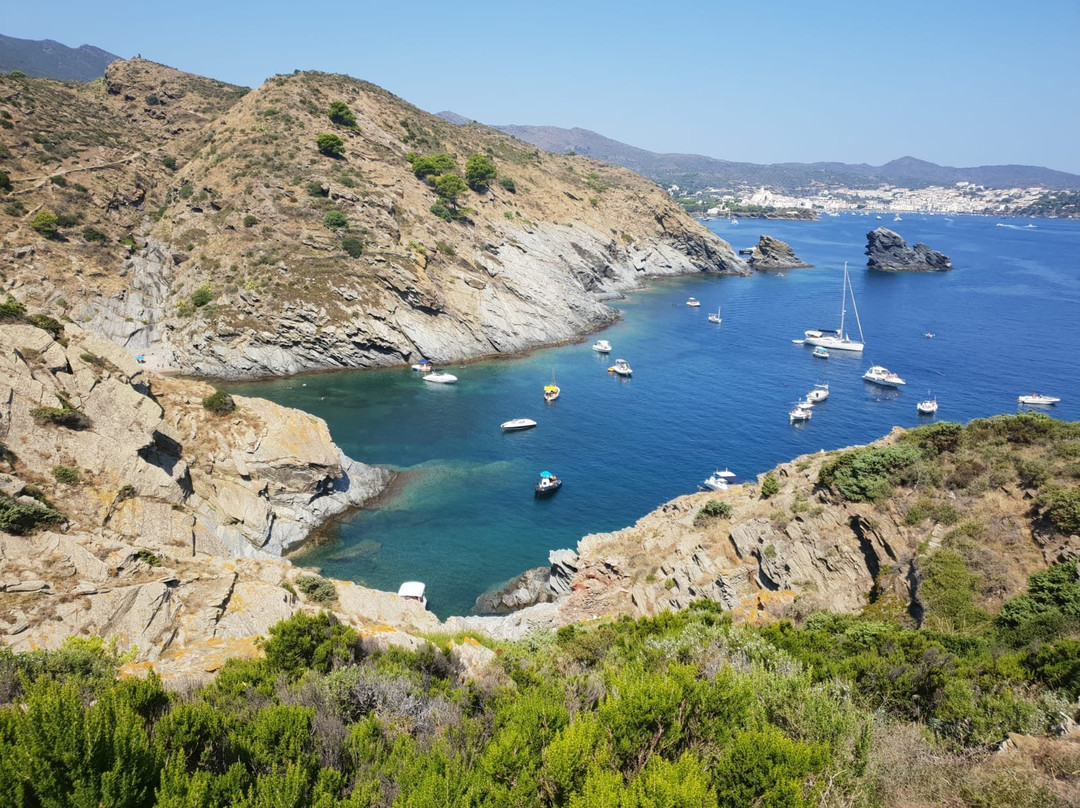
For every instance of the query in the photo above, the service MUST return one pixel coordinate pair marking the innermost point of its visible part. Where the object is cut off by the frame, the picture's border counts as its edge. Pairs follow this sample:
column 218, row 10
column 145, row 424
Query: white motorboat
column 715, row 318
column 721, row 480
column 413, row 590
column 517, row 423
column 693, row 302
column 423, row 366
column 548, row 484
column 620, row 368
column 927, row 406
column 439, row 377
column 819, row 393
column 800, row 412
column 1038, row 399
column 798, row 342
column 839, row 340
column 879, row 375
column 820, row 353
column 602, row 346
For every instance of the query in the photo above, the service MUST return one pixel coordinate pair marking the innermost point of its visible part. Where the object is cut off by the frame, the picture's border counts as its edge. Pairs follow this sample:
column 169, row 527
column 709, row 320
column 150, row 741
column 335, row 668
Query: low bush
column 65, row 416
column 330, row 144
column 340, row 114
column 21, row 518
column 353, row 246
column 769, row 486
column 508, row 184
column 46, row 323
column 45, row 223
column 713, row 509
column 317, row 589
column 202, row 295
column 92, row 235
column 250, row 221
column 219, row 402
column 65, row 475
column 335, row 220
column 866, row 474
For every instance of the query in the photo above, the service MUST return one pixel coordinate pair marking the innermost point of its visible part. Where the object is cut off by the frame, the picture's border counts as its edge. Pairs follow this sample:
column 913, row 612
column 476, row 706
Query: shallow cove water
column 703, row 396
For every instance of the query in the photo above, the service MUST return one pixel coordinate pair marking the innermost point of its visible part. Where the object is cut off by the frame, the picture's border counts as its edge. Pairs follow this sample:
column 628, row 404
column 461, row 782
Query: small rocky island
column 773, row 255
column 888, row 252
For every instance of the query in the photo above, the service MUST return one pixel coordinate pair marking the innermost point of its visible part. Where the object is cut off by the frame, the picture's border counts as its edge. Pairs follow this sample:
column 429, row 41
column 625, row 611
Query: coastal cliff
column 200, row 225
column 773, row 255
column 887, row 251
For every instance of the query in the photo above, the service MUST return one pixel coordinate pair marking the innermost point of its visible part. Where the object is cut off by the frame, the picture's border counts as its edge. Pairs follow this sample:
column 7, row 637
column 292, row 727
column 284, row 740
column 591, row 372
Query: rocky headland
column 773, row 255
column 887, row 251
column 199, row 224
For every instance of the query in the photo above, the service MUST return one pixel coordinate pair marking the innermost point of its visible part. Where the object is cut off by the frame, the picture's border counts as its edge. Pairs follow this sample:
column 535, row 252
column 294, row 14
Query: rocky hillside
column 199, row 224
column 937, row 527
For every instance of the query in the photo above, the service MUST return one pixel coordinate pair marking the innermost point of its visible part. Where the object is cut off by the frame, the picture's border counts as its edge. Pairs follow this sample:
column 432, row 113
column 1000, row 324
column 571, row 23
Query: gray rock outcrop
column 887, row 251
column 773, row 255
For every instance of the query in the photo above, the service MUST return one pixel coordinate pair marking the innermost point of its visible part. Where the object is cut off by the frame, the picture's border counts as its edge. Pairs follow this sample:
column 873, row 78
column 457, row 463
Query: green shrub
column 250, row 221
column 12, row 309
column 20, row 518
column 449, row 187
column 865, row 474
column 335, row 220
column 479, row 171
column 219, row 402
column 152, row 100
column 60, row 181
column 187, row 190
column 202, row 295
column 712, row 509
column 45, row 223
column 5, row 181
column 508, row 184
column 93, row 235
column 340, row 114
column 317, row 589
column 769, row 486
column 432, row 165
column 947, row 592
column 65, row 475
column 15, row 208
column 316, row 189
column 317, row 642
column 1050, row 607
column 169, row 162
column 445, row 248
column 46, row 323
column 1061, row 506
column 148, row 557
column 353, row 246
column 65, row 416
column 330, row 144
column 67, row 219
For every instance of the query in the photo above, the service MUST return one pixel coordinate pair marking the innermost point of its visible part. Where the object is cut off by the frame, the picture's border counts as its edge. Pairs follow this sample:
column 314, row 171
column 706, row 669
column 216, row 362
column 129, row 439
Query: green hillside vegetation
column 679, row 710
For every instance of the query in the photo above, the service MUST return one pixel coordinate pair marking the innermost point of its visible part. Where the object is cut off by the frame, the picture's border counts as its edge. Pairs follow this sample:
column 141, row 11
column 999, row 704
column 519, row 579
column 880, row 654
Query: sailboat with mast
column 839, row 340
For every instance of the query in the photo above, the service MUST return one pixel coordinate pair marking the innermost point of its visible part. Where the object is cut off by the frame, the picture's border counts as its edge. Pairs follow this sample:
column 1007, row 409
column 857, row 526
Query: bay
column 703, row 396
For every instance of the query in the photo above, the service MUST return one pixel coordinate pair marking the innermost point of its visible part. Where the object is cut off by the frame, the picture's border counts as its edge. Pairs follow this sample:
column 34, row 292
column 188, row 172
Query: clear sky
column 955, row 82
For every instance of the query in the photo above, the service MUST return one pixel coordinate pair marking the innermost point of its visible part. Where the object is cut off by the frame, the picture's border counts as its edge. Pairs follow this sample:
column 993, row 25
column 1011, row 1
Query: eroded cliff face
column 167, row 521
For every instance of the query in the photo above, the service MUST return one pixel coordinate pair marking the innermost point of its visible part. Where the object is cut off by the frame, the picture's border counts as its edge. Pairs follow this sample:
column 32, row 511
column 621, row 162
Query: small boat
column 721, row 480
column 897, row 218
column 413, row 590
column 517, row 424
column 879, row 375
column 715, row 318
column 819, row 393
column 551, row 391
column 927, row 406
column 1037, row 399
column 439, row 377
column 800, row 412
column 548, row 484
column 929, row 335
column 621, row 368
column 821, row 353
column 423, row 366
column 798, row 342
column 602, row 346
column 733, row 220
column 693, row 302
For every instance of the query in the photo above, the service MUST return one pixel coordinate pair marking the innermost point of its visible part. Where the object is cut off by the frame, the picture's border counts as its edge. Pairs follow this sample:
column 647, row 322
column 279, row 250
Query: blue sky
column 954, row 82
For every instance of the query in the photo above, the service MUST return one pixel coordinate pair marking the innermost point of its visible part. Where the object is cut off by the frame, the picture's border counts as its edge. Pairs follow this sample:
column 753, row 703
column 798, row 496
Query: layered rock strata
column 773, row 255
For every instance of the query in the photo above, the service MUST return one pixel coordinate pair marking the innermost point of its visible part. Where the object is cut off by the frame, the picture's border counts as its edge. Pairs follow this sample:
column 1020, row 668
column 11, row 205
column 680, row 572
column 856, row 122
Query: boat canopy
column 411, row 589
column 546, row 474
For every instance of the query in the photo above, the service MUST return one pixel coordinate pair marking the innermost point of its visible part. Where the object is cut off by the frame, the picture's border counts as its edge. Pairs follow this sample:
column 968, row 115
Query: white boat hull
column 518, row 424
column 835, row 343
column 1038, row 400
column 441, row 378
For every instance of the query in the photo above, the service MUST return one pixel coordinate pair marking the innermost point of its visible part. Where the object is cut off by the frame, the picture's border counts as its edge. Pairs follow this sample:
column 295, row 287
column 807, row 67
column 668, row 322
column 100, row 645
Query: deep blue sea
column 703, row 396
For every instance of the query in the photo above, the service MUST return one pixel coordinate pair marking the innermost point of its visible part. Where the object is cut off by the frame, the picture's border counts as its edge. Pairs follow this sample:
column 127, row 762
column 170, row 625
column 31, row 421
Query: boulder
column 888, row 252
column 772, row 255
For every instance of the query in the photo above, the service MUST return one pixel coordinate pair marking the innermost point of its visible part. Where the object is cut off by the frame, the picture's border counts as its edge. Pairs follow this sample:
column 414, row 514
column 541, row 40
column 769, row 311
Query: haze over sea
column 703, row 396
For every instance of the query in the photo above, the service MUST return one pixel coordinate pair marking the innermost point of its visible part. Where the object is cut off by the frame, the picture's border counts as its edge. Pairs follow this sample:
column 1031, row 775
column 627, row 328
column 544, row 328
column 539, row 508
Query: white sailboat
column 839, row 340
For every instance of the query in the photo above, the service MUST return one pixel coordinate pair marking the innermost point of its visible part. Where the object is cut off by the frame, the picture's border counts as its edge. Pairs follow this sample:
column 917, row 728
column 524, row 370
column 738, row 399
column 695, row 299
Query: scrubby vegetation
column 219, row 402
column 678, row 710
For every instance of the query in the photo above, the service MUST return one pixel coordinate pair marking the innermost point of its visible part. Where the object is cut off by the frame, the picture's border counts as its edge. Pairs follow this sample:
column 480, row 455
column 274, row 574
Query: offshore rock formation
column 771, row 255
column 889, row 252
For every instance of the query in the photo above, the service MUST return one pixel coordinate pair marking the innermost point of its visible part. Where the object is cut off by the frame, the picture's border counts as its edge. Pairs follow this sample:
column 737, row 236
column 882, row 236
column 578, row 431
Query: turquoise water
column 703, row 396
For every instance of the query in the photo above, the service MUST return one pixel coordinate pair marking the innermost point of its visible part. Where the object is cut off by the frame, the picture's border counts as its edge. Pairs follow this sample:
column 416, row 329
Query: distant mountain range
column 51, row 60
column 693, row 172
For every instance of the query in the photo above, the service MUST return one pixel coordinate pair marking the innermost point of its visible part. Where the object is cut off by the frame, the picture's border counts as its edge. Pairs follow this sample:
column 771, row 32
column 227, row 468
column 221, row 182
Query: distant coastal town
column 961, row 198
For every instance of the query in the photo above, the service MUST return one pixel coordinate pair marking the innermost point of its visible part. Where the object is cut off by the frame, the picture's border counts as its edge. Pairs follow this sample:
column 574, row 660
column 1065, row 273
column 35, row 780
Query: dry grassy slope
column 237, row 213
